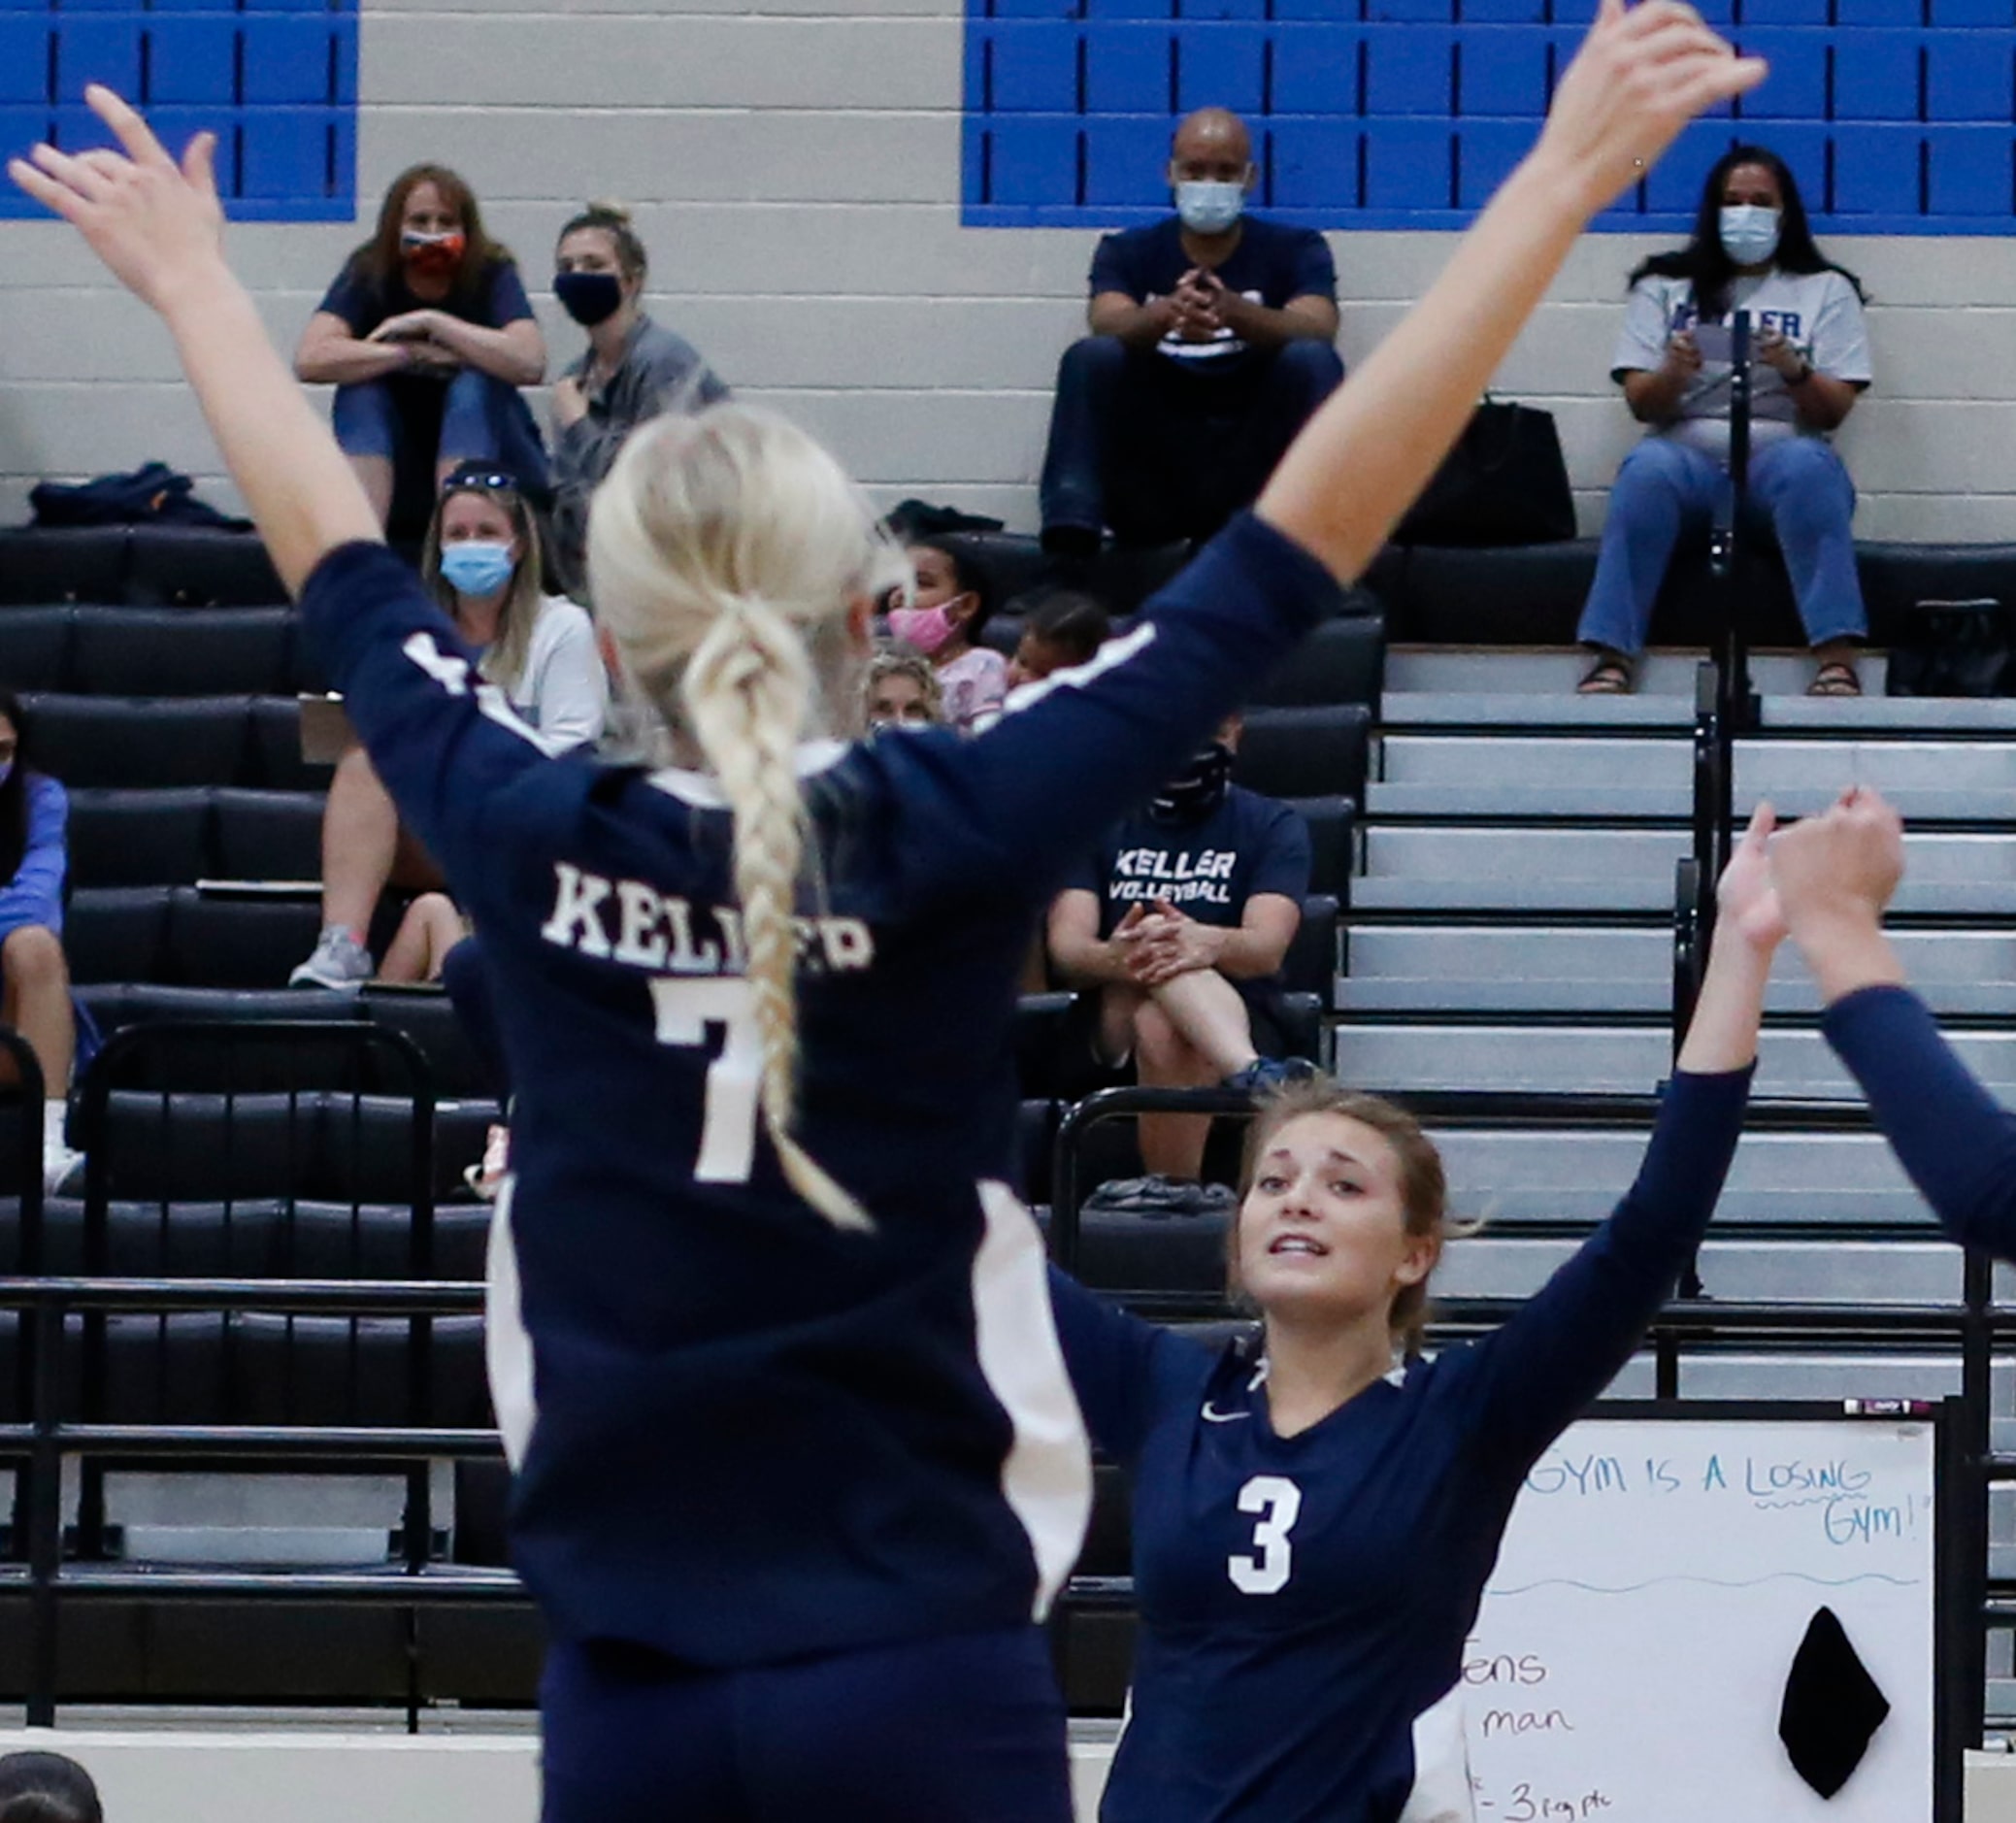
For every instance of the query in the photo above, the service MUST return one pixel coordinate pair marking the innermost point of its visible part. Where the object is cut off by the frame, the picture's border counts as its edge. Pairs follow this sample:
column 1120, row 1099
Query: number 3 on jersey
column 1278, row 1503
column 687, row 1005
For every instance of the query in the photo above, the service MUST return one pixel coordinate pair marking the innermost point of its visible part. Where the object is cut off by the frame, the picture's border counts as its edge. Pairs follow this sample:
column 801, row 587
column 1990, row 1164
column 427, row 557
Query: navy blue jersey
column 495, row 300
column 1206, row 868
column 1304, row 1600
column 744, row 1435
column 1272, row 263
column 1957, row 1142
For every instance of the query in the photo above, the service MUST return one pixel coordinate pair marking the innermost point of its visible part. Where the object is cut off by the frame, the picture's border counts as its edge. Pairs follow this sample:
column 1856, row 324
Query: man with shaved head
column 1211, row 342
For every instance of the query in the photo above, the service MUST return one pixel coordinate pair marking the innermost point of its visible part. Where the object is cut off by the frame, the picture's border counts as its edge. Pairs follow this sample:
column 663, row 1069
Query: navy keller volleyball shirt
column 740, row 1434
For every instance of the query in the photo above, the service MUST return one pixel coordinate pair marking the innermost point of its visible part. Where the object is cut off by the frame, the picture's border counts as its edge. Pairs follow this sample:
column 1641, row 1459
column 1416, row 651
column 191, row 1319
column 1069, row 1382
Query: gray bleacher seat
column 1306, row 752
column 35, row 647
column 1342, row 661
column 1331, row 822
column 276, row 759
column 218, row 941
column 140, row 838
column 115, row 934
column 181, row 651
column 186, row 566
column 267, row 835
column 142, row 743
column 70, row 563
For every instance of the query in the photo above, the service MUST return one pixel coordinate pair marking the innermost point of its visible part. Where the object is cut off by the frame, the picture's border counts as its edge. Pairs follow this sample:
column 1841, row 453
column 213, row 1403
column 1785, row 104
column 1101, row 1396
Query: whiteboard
column 1658, row 1576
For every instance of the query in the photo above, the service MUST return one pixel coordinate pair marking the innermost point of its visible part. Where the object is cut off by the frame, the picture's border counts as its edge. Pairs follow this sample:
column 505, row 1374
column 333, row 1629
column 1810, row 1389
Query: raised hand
column 1745, row 896
column 155, row 224
column 1841, row 866
column 1642, row 74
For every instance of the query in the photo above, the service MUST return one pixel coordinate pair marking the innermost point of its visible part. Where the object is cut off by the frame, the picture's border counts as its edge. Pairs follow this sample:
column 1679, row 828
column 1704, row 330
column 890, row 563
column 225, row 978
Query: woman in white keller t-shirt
column 1752, row 250
column 482, row 563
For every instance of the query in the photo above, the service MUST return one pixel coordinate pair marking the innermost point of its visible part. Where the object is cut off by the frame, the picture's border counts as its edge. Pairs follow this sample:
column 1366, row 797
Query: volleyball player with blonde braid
column 798, row 1464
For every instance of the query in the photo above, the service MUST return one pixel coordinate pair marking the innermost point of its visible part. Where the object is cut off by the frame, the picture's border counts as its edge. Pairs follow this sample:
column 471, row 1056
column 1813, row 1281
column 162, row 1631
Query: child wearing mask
column 948, row 607
column 427, row 336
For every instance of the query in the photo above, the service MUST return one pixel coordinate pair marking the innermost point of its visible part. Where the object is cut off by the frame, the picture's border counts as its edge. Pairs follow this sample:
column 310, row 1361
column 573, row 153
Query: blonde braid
column 747, row 691
column 726, row 550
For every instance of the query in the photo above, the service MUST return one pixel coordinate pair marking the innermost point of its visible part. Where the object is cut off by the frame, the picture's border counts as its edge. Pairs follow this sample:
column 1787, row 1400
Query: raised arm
column 1640, row 77
column 1544, row 1366
column 1836, row 874
column 159, row 229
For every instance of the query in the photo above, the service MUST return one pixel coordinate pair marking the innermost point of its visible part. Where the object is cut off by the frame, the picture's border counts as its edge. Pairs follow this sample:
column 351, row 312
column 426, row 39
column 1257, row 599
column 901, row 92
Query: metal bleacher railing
column 54, row 1570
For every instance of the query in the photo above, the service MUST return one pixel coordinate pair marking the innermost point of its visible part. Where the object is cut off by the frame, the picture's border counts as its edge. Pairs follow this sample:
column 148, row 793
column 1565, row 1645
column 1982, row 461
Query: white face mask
column 1749, row 233
column 1209, row 208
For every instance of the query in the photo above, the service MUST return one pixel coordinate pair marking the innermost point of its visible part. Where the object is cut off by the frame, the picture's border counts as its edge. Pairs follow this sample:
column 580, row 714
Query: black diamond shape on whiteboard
column 1832, row 1709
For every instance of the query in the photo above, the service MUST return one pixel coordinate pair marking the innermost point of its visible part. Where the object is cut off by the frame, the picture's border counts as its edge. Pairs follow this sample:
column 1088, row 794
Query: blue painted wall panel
column 1899, row 115
column 276, row 80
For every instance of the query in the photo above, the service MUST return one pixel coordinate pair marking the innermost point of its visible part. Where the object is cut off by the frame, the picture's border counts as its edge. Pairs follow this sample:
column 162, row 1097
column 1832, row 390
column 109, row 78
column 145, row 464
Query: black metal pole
column 45, row 1512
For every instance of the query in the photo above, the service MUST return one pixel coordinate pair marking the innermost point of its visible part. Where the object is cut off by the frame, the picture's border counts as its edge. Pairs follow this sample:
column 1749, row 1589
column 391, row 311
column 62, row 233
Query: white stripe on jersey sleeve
column 1046, row 1478
column 1441, row 1791
column 506, row 1344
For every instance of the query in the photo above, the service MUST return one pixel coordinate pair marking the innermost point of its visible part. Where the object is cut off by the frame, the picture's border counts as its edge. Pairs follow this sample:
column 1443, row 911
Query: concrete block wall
column 794, row 164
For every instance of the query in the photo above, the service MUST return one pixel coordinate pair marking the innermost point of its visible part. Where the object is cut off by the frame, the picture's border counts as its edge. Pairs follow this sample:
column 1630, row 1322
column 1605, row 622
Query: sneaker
column 62, row 1164
column 1270, row 1072
column 340, row 962
column 488, row 1178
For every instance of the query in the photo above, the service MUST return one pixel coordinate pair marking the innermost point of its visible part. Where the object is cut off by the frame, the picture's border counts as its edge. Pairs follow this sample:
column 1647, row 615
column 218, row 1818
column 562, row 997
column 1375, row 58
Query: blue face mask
column 1749, row 233
column 474, row 567
column 1208, row 208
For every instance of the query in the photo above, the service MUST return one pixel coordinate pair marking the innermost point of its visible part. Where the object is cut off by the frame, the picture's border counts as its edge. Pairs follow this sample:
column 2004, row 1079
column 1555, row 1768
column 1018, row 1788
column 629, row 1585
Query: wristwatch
column 1805, row 373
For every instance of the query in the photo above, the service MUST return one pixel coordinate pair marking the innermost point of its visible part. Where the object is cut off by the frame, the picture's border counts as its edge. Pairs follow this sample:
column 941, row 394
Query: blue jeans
column 1665, row 488
column 482, row 419
column 968, row 1729
column 1158, row 449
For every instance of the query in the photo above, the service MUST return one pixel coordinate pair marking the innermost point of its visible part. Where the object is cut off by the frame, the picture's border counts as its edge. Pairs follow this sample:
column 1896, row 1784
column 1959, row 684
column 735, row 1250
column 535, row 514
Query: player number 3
column 1278, row 1502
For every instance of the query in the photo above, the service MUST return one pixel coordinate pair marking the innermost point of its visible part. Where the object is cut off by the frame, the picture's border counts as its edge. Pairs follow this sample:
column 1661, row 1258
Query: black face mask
column 589, row 297
column 1196, row 791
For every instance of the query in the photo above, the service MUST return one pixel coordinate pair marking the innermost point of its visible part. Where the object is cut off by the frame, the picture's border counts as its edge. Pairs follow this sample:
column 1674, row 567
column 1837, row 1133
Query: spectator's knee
column 1162, row 1051
column 1654, row 463
column 1092, row 358
column 33, row 957
column 1311, row 366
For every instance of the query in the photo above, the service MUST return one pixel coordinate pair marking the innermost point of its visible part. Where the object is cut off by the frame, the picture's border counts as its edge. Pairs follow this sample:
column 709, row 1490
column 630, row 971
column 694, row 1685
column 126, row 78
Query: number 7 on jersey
column 687, row 1005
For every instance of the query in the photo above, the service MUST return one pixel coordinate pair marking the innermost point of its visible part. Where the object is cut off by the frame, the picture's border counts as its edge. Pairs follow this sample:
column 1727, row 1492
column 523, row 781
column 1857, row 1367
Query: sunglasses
column 494, row 481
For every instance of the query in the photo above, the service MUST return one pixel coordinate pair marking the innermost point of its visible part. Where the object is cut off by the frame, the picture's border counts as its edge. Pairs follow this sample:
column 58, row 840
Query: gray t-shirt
column 659, row 371
column 1818, row 313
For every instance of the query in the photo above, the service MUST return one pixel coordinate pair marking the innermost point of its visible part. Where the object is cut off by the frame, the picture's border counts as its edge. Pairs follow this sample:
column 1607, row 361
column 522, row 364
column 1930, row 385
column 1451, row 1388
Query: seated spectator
column 47, row 1788
column 948, row 607
column 1181, row 923
column 433, row 925
column 1752, row 250
column 901, row 691
column 1210, row 346
column 35, row 997
column 482, row 561
column 633, row 368
column 427, row 336
column 1061, row 630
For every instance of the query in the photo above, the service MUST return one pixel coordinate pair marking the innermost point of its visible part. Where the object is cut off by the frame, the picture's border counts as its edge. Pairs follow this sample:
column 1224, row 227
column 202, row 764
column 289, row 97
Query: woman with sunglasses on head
column 428, row 338
column 632, row 369
column 770, row 1345
column 482, row 563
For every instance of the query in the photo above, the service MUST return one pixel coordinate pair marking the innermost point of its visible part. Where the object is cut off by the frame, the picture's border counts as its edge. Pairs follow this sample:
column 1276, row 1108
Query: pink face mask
column 926, row 628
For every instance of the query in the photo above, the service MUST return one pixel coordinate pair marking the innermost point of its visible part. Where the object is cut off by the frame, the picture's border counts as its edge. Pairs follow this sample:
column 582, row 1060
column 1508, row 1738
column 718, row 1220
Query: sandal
column 1609, row 676
column 1836, row 677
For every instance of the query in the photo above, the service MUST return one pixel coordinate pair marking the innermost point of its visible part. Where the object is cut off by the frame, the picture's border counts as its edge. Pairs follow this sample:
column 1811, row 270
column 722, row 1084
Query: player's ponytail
column 724, row 552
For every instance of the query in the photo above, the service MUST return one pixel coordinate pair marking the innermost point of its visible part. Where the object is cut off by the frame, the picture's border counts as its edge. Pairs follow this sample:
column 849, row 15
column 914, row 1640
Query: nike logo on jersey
column 1212, row 1415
